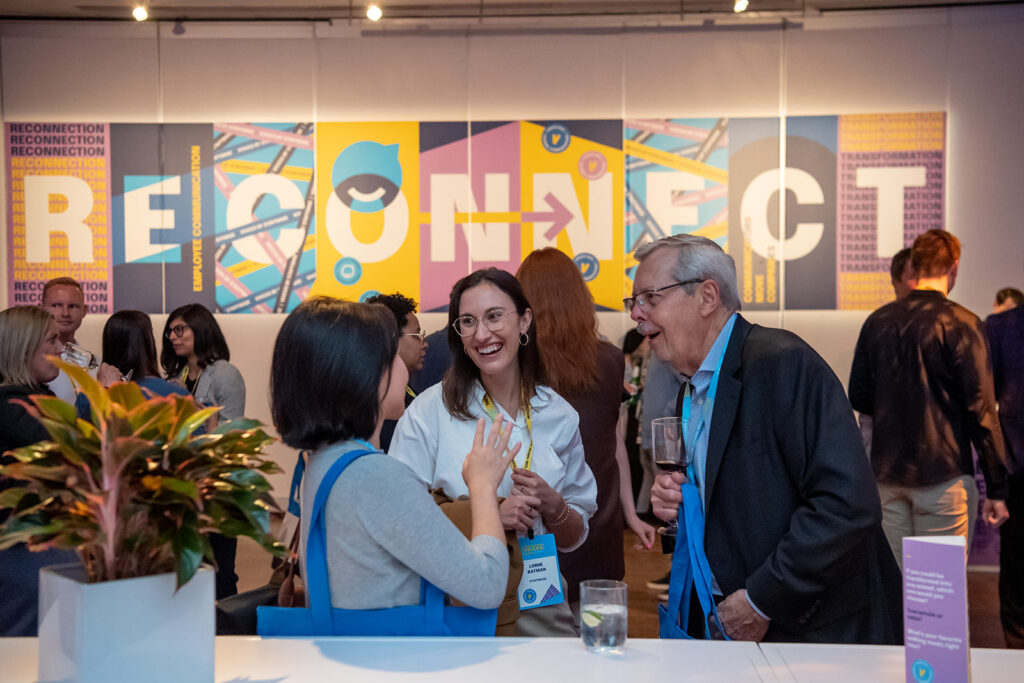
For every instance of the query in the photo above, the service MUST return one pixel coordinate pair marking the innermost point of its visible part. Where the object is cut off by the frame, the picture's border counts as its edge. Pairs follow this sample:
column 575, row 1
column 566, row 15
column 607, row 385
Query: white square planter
column 137, row 630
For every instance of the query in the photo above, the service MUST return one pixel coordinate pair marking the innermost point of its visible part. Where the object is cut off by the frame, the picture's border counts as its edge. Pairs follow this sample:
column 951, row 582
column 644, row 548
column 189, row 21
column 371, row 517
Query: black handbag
column 236, row 615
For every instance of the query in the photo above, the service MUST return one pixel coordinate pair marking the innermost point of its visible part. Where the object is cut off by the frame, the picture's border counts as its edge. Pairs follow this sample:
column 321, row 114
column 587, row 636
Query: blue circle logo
column 369, row 294
column 923, row 672
column 347, row 271
column 529, row 595
column 588, row 265
column 556, row 138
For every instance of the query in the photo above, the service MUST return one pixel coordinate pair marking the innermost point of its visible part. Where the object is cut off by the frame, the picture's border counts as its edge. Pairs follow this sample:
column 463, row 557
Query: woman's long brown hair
column 563, row 310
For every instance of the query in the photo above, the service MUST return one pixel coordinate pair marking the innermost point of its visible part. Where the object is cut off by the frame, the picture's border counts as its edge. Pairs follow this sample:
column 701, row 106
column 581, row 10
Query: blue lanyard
column 294, row 506
column 690, row 568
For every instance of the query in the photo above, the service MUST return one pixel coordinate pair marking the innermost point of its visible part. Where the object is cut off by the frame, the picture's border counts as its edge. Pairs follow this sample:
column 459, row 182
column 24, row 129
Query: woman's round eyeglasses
column 494, row 320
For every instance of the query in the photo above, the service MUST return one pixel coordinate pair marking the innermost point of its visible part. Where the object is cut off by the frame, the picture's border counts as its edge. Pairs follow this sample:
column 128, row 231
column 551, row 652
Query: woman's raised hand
column 485, row 465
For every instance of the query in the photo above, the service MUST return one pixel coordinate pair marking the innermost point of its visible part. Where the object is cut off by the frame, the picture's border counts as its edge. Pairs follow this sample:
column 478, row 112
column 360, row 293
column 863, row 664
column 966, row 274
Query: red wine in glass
column 669, row 451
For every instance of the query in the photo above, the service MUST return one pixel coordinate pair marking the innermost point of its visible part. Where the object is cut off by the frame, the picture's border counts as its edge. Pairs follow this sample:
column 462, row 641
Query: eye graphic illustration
column 367, row 176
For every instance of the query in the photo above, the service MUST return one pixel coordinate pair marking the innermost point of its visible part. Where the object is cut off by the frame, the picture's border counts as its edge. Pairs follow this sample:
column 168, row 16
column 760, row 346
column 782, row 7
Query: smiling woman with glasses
column 494, row 320
column 497, row 373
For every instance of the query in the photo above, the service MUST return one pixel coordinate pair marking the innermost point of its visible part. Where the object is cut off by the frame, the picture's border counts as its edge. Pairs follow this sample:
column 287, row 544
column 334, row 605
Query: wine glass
column 669, row 451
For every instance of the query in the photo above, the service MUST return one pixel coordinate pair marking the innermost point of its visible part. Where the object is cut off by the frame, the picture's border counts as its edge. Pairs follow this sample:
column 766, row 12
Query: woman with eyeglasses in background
column 588, row 373
column 129, row 354
column 195, row 353
column 412, row 348
column 497, row 370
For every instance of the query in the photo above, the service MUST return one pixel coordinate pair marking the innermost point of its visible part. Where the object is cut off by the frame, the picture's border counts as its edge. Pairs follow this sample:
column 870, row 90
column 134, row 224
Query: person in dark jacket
column 921, row 371
column 1005, row 333
column 28, row 335
column 792, row 525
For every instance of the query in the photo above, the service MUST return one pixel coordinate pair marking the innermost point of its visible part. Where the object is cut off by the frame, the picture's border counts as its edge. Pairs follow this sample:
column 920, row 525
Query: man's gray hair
column 699, row 257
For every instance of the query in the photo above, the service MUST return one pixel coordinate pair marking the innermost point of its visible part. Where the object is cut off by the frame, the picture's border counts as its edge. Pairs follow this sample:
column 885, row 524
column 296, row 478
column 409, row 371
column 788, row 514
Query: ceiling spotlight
column 140, row 13
column 740, row 6
column 374, row 12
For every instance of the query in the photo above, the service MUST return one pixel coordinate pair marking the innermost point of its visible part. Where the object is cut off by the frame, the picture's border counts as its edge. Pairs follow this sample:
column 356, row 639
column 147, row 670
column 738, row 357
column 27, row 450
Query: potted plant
column 134, row 490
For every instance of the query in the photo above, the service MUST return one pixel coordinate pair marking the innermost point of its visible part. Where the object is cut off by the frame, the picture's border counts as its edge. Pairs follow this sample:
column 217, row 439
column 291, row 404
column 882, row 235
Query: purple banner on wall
column 58, row 210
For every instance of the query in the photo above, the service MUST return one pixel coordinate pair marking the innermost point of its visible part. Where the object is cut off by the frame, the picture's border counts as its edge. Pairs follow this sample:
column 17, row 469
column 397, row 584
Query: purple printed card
column 935, row 609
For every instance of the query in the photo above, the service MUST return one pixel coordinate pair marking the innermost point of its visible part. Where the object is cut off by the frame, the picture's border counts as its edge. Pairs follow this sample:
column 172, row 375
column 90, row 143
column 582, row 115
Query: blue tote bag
column 432, row 617
column 690, row 570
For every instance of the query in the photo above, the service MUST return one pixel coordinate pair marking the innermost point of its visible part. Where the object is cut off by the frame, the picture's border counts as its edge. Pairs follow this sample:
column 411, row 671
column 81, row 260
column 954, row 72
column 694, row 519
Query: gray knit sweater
column 384, row 532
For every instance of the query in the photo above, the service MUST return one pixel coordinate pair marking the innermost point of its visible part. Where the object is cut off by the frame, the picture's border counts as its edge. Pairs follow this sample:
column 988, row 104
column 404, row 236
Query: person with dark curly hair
column 412, row 347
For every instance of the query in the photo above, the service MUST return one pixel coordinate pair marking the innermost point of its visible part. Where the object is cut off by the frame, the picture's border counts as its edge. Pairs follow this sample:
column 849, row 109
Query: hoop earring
column 522, row 341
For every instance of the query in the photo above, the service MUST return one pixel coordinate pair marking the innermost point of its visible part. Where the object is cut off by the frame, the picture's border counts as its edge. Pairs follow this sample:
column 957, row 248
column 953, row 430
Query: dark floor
column 642, row 566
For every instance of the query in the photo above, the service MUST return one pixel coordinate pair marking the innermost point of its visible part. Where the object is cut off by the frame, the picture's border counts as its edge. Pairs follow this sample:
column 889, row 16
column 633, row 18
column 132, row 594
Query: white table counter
column 800, row 663
column 451, row 660
column 564, row 660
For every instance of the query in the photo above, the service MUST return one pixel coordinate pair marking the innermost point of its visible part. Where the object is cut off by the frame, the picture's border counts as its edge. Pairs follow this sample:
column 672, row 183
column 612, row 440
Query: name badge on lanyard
column 541, row 584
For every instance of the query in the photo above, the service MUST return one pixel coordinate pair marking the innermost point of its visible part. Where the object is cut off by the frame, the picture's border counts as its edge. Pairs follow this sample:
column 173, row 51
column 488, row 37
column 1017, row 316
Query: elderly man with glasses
column 793, row 548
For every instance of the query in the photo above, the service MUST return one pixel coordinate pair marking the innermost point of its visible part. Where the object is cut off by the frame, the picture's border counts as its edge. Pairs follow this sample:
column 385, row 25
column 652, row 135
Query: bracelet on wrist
column 563, row 516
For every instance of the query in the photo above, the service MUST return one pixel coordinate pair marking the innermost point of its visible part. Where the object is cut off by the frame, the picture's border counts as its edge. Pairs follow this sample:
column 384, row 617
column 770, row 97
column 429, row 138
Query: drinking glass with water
column 80, row 356
column 603, row 615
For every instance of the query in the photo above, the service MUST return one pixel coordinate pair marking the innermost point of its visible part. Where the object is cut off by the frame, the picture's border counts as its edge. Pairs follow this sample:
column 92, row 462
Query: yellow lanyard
column 409, row 391
column 492, row 412
column 184, row 379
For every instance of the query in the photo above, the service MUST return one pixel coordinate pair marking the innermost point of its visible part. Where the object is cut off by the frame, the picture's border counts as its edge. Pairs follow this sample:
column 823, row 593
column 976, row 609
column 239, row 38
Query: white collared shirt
column 63, row 388
column 434, row 445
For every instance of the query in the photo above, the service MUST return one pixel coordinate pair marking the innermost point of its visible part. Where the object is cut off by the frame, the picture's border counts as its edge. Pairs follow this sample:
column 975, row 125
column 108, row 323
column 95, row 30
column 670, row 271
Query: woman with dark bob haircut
column 196, row 354
column 497, row 373
column 129, row 352
column 335, row 377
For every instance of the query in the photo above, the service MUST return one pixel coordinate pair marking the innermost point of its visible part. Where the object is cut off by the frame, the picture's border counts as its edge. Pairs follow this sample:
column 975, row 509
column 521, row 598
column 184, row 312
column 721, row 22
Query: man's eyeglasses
column 494, row 320
column 177, row 331
column 646, row 299
column 421, row 335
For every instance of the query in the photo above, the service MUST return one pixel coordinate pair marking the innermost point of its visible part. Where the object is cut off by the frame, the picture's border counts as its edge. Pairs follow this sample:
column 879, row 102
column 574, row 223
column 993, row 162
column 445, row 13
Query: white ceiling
column 609, row 11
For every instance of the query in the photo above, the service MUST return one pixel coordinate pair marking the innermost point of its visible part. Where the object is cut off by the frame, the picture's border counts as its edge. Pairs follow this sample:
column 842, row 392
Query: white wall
column 962, row 61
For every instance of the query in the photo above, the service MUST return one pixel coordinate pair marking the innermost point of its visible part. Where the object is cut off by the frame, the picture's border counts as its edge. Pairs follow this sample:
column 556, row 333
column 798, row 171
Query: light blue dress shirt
column 701, row 412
